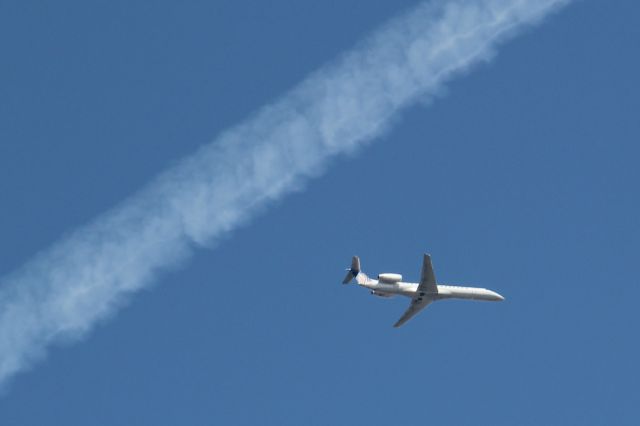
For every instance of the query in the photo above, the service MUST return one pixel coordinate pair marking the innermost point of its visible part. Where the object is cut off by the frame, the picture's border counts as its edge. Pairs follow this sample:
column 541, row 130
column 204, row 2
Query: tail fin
column 356, row 272
column 353, row 271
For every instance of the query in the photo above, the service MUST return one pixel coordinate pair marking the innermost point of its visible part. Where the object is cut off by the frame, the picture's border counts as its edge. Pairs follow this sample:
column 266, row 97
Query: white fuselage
column 444, row 291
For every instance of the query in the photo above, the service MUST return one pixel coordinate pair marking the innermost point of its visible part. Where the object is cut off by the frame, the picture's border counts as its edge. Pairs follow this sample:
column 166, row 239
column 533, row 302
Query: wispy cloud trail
column 64, row 291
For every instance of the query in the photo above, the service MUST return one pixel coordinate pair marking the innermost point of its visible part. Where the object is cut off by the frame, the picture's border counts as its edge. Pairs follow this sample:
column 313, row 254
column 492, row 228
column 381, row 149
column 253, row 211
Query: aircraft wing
column 428, row 277
column 417, row 304
column 426, row 286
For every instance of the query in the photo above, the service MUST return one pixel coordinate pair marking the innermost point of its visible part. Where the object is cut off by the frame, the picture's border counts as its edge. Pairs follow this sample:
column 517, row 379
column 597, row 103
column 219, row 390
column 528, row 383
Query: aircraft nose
column 497, row 297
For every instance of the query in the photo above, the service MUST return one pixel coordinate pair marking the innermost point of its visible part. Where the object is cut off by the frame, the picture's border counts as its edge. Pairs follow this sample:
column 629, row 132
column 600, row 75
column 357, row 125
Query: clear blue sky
column 522, row 178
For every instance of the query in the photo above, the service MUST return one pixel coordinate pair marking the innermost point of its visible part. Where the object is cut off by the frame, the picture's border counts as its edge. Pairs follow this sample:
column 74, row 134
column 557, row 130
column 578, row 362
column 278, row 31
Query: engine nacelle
column 376, row 293
column 390, row 278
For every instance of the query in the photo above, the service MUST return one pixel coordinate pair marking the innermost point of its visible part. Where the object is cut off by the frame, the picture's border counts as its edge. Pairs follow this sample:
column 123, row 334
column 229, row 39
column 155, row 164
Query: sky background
column 522, row 177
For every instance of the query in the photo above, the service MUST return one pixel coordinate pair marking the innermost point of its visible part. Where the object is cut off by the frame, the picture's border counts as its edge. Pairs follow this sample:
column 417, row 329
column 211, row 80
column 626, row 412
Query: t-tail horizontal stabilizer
column 353, row 271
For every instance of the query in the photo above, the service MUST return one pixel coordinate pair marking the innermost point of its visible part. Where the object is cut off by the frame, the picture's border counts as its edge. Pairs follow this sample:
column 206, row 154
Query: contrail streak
column 64, row 291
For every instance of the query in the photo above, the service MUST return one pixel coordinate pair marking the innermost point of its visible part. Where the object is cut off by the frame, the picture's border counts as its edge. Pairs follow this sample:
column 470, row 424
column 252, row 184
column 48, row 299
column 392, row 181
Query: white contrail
column 64, row 291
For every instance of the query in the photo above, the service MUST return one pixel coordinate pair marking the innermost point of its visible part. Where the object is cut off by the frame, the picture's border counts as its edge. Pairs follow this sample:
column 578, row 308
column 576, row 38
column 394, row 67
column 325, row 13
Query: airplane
column 421, row 294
